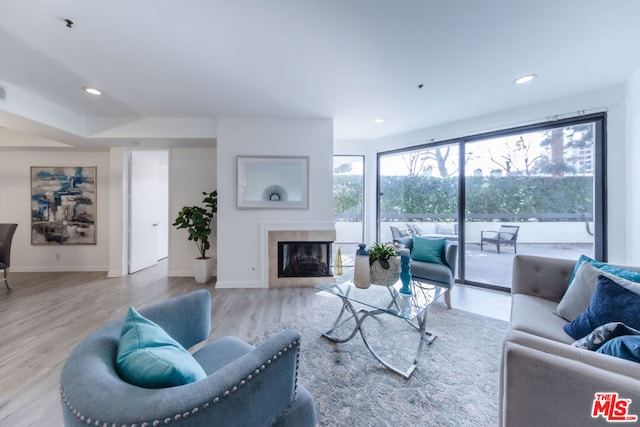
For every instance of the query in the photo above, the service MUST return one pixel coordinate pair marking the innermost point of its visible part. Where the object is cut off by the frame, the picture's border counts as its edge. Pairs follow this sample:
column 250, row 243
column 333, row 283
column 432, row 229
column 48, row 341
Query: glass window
column 348, row 198
column 535, row 190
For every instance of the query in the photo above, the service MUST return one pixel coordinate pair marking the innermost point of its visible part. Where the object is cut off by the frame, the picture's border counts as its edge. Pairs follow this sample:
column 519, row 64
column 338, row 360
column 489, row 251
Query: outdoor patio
column 493, row 268
column 490, row 267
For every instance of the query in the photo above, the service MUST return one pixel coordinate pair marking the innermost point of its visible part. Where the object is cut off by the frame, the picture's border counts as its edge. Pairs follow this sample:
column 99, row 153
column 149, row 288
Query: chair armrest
column 543, row 277
column 451, row 255
column 490, row 234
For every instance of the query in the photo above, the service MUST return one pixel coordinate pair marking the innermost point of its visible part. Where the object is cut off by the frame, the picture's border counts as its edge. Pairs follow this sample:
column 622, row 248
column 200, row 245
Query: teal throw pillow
column 625, row 347
column 633, row 276
column 427, row 249
column 149, row 357
column 610, row 303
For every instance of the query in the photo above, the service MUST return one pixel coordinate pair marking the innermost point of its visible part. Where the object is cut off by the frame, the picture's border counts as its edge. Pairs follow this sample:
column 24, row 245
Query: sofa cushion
column 536, row 316
column 149, row 357
column 221, row 352
column 578, row 296
column 445, row 228
column 427, row 249
column 610, row 302
column 626, row 347
column 431, row 272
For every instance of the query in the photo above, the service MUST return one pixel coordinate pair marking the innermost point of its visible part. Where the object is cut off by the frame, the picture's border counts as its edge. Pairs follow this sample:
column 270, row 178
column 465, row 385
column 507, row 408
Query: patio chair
column 506, row 236
column 397, row 233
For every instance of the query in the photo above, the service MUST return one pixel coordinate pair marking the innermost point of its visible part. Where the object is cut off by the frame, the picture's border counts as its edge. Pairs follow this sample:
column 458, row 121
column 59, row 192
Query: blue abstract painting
column 63, row 205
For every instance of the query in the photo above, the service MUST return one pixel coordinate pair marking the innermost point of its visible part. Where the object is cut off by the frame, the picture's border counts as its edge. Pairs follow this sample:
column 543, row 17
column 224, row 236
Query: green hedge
column 506, row 198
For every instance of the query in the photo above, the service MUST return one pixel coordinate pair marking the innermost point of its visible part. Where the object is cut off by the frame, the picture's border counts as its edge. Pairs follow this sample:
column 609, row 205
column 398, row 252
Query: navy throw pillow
column 610, row 303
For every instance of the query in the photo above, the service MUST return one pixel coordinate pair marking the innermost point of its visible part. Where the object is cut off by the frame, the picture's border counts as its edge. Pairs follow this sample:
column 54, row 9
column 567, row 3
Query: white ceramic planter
column 385, row 277
column 202, row 269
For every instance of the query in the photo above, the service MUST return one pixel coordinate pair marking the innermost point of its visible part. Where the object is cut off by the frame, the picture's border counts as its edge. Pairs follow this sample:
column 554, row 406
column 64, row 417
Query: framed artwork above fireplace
column 273, row 182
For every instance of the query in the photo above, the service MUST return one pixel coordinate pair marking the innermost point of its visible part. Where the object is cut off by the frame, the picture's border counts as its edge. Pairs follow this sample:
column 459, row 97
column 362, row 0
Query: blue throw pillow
column 427, row 249
column 149, row 357
column 627, row 347
column 610, row 303
column 631, row 275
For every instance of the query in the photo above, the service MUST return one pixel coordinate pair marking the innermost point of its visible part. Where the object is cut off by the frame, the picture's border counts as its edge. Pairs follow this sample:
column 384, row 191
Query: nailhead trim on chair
column 194, row 411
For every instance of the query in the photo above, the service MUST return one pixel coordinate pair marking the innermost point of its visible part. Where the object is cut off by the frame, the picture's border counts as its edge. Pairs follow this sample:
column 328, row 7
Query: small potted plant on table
column 384, row 264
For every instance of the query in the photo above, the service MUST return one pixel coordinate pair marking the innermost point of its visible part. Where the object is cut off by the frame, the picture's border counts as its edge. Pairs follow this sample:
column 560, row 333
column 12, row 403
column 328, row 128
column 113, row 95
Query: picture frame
column 268, row 182
column 63, row 205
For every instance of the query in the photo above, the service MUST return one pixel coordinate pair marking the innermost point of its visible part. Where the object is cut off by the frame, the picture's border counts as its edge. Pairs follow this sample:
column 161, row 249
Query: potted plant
column 197, row 221
column 384, row 264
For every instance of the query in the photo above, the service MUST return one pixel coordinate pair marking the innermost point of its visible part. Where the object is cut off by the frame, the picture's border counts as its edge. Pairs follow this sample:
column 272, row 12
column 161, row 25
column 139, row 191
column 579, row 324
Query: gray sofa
column 544, row 380
column 440, row 274
column 245, row 385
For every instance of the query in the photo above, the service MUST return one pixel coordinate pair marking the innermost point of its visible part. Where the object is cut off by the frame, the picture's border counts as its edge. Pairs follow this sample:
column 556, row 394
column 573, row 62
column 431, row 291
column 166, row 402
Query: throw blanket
column 604, row 333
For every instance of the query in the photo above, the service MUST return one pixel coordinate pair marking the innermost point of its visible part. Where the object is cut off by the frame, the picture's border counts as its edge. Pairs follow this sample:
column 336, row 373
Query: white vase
column 202, row 269
column 361, row 270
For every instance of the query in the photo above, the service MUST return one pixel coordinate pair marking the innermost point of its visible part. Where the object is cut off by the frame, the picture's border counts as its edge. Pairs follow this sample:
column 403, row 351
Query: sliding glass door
column 418, row 193
column 529, row 192
column 535, row 190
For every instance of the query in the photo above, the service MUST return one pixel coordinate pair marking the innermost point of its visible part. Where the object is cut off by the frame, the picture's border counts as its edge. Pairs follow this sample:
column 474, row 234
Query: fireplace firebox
column 304, row 259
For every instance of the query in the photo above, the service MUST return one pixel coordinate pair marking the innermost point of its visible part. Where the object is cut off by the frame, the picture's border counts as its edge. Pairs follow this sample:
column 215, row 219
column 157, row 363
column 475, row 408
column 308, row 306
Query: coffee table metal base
column 360, row 315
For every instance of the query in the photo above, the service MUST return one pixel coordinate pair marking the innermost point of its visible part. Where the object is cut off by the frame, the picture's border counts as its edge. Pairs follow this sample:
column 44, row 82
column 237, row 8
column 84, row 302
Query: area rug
column 455, row 384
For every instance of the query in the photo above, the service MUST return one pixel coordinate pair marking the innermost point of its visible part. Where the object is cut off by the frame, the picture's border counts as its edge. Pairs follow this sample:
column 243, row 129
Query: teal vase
column 405, row 272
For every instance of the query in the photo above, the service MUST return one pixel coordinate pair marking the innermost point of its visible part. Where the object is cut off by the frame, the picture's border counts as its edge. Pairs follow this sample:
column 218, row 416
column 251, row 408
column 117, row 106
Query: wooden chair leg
column 447, row 298
column 6, row 279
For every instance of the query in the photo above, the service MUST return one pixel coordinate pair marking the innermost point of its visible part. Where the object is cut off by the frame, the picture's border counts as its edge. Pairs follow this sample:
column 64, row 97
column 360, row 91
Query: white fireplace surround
column 268, row 264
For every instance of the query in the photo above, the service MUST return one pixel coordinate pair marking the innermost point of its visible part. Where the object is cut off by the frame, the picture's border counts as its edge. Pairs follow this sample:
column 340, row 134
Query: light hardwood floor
column 46, row 314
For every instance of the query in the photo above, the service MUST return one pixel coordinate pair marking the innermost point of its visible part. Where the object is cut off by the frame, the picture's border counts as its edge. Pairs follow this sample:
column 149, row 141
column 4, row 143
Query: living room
column 203, row 148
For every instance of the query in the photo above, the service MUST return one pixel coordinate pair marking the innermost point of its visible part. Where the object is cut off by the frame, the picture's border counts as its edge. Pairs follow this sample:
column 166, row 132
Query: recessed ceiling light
column 379, row 120
column 525, row 79
column 92, row 91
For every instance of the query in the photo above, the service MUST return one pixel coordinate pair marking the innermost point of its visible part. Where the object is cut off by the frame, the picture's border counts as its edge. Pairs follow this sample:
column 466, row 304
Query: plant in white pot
column 197, row 221
column 384, row 264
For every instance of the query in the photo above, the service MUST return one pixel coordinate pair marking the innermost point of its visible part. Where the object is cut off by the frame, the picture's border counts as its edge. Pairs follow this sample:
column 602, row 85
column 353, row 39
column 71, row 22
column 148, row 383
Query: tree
column 561, row 140
column 517, row 160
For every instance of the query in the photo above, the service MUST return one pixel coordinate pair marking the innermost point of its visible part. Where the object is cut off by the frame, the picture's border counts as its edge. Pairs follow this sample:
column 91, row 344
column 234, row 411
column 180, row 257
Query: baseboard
column 61, row 268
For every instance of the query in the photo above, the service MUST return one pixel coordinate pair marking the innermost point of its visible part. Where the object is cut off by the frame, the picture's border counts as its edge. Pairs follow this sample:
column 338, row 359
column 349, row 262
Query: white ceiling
column 191, row 61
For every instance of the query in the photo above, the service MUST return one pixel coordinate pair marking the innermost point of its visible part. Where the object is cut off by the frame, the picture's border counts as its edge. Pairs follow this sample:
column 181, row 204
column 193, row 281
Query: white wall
column 191, row 171
column 15, row 206
column 239, row 243
column 632, row 170
column 612, row 100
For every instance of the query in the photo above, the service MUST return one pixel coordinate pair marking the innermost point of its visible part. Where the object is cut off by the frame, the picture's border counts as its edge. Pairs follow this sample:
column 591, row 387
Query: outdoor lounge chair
column 508, row 235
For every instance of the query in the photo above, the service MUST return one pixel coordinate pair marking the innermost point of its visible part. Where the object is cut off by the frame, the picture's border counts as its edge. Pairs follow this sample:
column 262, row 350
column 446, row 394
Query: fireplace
column 304, row 259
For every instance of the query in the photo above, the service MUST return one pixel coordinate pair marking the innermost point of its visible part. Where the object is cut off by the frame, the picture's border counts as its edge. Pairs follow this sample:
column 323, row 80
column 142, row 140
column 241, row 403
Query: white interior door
column 144, row 218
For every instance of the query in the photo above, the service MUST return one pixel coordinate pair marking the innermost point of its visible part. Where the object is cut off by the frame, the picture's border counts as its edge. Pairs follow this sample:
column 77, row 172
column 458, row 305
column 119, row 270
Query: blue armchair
column 439, row 274
column 245, row 385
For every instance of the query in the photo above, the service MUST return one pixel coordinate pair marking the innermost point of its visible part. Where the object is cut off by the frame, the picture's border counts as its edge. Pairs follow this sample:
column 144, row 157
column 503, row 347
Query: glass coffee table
column 377, row 300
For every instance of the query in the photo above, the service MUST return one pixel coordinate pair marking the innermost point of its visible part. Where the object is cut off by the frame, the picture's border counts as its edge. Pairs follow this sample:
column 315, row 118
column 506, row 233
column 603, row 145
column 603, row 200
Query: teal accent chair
column 245, row 385
column 438, row 274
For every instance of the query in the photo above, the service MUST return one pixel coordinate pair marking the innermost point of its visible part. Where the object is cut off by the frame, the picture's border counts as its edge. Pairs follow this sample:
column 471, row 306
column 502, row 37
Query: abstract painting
column 63, row 205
